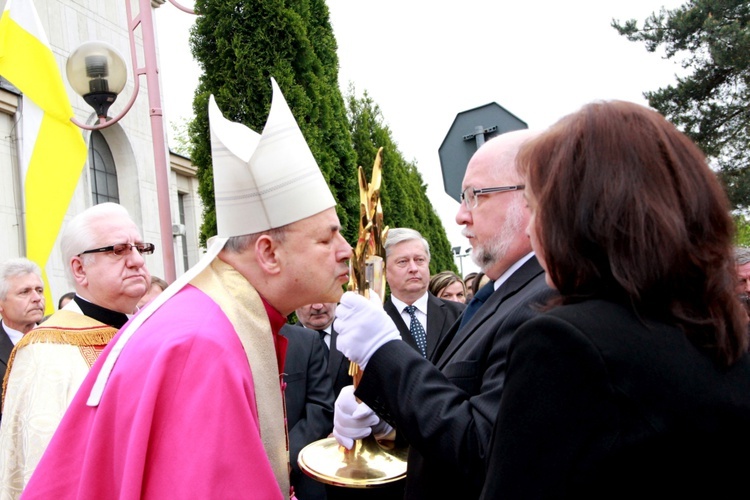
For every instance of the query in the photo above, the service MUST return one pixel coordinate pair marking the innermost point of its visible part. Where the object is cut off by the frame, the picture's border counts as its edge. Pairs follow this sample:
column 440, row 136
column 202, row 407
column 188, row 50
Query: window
column 181, row 203
column 102, row 170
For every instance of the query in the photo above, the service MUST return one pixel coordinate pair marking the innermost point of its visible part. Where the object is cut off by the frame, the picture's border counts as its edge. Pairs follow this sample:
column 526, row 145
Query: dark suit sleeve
column 6, row 347
column 557, row 396
column 447, row 414
column 317, row 420
column 441, row 315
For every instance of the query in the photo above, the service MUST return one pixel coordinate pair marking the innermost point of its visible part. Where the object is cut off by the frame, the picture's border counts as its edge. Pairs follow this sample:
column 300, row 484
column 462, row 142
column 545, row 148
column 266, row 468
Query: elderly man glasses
column 51, row 361
column 123, row 248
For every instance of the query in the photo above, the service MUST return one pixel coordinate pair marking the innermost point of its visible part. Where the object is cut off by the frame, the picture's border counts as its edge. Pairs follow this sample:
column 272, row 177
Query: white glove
column 362, row 327
column 351, row 420
column 382, row 430
column 375, row 298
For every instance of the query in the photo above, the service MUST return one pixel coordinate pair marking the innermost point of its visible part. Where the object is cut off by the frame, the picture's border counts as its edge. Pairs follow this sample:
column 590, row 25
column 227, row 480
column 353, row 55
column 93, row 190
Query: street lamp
column 97, row 72
column 457, row 253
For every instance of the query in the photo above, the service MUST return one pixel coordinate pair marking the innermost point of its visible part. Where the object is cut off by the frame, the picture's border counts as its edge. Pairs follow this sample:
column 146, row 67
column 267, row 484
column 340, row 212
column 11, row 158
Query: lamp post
column 97, row 72
column 457, row 253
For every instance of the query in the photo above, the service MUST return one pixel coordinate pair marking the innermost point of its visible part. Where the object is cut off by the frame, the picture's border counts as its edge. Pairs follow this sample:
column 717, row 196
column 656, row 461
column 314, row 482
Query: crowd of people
column 601, row 350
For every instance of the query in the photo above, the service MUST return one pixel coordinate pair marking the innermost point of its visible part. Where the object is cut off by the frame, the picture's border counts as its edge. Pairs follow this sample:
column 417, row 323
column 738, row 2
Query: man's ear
column 267, row 254
column 79, row 273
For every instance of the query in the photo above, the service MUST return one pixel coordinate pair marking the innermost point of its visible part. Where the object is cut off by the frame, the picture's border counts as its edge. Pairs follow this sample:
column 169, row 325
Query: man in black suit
column 319, row 317
column 309, row 402
column 407, row 271
column 446, row 411
column 21, row 304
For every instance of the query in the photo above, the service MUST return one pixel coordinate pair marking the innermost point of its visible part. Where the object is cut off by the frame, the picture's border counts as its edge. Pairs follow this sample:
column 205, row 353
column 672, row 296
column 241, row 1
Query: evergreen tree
column 240, row 44
column 712, row 103
column 403, row 192
column 742, row 227
column 180, row 139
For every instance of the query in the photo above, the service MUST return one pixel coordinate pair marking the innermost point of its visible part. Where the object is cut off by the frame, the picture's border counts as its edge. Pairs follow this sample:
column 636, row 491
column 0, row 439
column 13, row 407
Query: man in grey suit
column 446, row 411
column 407, row 271
column 21, row 303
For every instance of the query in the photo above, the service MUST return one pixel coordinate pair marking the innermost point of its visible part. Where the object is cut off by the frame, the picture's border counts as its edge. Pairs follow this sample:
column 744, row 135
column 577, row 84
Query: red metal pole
column 145, row 20
column 159, row 137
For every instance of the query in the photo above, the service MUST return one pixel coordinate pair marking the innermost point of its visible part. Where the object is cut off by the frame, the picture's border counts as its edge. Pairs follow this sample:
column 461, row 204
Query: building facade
column 120, row 163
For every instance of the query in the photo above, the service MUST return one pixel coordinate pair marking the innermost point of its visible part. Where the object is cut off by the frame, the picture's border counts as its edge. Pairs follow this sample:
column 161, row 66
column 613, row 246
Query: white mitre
column 261, row 182
column 264, row 181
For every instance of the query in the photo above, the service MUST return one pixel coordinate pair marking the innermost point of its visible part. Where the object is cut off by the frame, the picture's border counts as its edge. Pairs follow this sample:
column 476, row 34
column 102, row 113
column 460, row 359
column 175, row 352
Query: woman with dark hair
column 635, row 382
column 447, row 285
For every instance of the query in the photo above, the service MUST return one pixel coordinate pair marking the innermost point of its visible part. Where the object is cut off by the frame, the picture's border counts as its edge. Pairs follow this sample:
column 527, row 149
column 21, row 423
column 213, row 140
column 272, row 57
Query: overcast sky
column 425, row 61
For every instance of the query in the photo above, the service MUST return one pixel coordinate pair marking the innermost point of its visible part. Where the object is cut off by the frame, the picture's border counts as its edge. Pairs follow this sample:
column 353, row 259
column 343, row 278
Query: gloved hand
column 362, row 327
column 351, row 420
column 375, row 298
column 382, row 430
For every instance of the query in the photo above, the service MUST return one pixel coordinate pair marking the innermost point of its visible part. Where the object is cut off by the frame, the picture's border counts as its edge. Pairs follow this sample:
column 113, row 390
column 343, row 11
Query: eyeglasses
column 469, row 195
column 123, row 248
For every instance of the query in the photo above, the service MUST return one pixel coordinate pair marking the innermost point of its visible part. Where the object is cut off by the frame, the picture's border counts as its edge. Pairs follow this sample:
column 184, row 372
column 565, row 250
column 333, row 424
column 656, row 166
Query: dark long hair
column 629, row 210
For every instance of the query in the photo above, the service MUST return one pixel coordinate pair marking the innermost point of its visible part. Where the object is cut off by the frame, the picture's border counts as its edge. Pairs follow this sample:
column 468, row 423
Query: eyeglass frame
column 148, row 249
column 475, row 192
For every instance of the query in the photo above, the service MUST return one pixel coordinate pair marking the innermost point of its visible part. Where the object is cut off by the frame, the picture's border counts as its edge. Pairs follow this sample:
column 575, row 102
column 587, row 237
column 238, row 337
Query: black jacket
column 599, row 403
column 446, row 411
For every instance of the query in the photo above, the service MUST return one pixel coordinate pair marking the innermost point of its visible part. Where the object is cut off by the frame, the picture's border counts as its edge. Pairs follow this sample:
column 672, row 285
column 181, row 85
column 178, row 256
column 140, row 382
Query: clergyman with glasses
column 103, row 254
column 452, row 403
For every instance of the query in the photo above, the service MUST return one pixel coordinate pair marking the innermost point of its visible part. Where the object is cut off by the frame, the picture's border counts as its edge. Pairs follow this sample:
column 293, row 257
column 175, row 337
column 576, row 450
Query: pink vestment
column 178, row 418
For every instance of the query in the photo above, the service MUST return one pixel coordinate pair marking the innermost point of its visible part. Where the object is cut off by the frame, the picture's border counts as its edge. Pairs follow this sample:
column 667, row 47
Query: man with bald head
column 104, row 260
column 319, row 317
column 453, row 403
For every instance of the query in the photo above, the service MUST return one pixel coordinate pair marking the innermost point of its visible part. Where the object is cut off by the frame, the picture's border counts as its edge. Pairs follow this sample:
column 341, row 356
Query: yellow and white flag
column 53, row 151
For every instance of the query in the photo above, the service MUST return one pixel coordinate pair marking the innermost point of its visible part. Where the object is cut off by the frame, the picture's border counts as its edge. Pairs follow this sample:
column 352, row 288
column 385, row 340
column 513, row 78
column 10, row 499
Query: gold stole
column 66, row 327
column 243, row 306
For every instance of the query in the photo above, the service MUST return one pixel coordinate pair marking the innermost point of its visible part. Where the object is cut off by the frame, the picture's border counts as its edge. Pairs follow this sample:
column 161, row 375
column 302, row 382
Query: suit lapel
column 6, row 345
column 517, row 281
column 435, row 323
